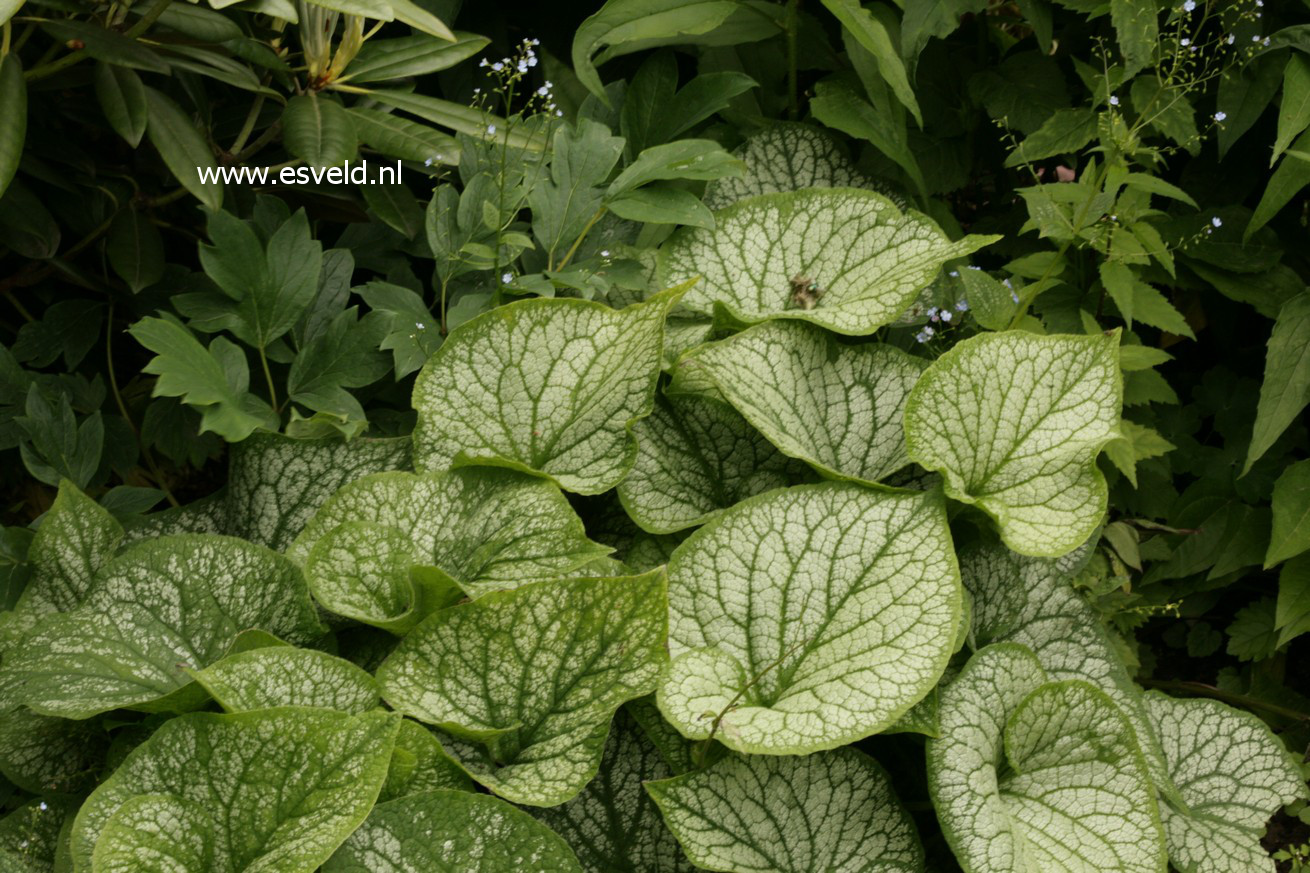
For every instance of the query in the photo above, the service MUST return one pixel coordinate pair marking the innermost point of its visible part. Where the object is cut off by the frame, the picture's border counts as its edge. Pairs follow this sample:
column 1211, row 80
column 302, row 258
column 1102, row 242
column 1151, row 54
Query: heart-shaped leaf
column 535, row 674
column 278, row 789
column 1030, row 775
column 448, row 831
column 843, row 258
column 550, row 387
column 157, row 609
column 835, row 406
column 695, row 458
column 288, row 676
column 1233, row 775
column 1014, row 422
column 389, row 548
column 828, row 811
column 810, row 617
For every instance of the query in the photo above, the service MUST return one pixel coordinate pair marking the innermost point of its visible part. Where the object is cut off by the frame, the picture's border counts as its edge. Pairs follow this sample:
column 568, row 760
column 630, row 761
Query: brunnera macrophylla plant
column 414, row 653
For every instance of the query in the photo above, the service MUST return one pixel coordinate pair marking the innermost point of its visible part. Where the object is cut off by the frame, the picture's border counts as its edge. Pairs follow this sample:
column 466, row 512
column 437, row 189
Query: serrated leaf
column 550, row 387
column 787, row 157
column 613, row 825
column 1233, row 774
column 1014, row 422
column 446, row 830
column 158, row 608
column 390, row 548
column 1291, row 509
column 1065, row 131
column 695, row 458
column 828, row 811
column 837, row 407
column 287, row 676
column 317, row 130
column 535, row 674
column 1136, row 443
column 1292, row 609
column 869, row 258
column 1253, row 634
column 215, row 380
column 345, row 355
column 1285, row 390
column 1137, row 27
column 278, row 789
column 807, row 618
column 277, row 483
column 1031, row 775
column 582, row 158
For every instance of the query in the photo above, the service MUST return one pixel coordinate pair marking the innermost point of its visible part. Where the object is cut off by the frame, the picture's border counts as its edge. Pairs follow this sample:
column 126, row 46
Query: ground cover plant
column 750, row 436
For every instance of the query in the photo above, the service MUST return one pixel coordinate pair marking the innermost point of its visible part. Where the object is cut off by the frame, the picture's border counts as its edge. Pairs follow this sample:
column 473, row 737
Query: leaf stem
column 573, row 250
column 268, row 378
column 68, row 60
column 146, row 455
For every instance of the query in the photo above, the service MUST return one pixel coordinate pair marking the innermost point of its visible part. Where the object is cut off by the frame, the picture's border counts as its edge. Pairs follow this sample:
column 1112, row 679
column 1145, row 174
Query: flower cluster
column 509, row 73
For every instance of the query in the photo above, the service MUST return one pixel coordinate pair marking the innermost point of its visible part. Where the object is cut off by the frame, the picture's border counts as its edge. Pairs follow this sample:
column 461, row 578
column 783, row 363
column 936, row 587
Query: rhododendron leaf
column 534, row 674
column 446, row 831
column 1014, row 422
column 550, row 387
column 288, row 676
column 810, row 617
column 613, row 825
column 274, row 790
column 389, row 548
column 1033, row 776
column 836, row 406
column 787, row 157
column 828, row 811
column 1233, row 775
column 695, row 458
column 866, row 259
column 155, row 610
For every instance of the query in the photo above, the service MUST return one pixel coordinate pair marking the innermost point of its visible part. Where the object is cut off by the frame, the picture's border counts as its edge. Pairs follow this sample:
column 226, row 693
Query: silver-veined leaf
column 448, row 831
column 835, row 406
column 277, row 789
column 1233, row 775
column 613, row 825
column 868, row 259
column 1014, row 422
column 47, row 755
column 287, row 676
column 827, row 811
column 788, row 157
column 696, row 457
column 809, row 617
column 1032, row 776
column 534, row 674
column 155, row 610
column 550, row 387
column 420, row 763
column 390, row 548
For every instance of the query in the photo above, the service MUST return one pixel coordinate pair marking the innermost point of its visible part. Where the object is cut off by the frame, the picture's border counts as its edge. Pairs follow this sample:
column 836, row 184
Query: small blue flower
column 1014, row 297
column 1007, row 283
column 962, row 306
column 1189, row 6
column 955, row 274
column 491, row 128
column 1185, row 41
column 924, row 335
column 1217, row 221
column 506, row 278
column 1114, row 101
column 1220, row 116
column 946, row 315
column 932, row 311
